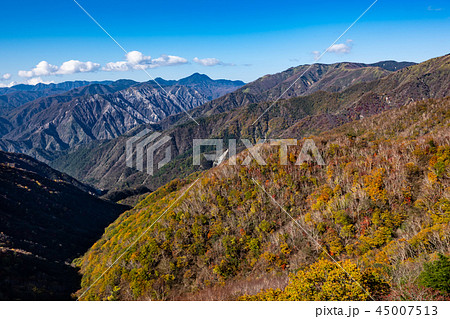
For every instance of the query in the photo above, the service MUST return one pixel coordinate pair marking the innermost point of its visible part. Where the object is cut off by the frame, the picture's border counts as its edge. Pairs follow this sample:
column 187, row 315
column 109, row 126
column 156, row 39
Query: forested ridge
column 380, row 207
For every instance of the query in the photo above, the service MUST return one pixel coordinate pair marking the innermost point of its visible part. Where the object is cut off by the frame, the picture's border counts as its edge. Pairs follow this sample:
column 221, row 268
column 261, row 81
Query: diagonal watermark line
column 137, row 239
column 315, row 241
column 126, row 52
column 320, row 56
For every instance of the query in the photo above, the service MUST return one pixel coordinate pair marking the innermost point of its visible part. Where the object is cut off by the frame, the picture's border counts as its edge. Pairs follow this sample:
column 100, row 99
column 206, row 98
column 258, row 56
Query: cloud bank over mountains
column 138, row 61
column 44, row 68
column 134, row 60
column 338, row 48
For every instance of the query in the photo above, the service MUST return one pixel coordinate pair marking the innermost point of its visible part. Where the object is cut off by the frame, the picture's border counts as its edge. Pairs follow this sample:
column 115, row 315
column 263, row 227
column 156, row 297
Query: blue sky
column 224, row 39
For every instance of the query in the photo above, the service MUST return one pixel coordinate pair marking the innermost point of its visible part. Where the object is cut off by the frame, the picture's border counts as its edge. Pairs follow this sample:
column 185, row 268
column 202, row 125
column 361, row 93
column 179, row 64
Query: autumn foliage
column 380, row 207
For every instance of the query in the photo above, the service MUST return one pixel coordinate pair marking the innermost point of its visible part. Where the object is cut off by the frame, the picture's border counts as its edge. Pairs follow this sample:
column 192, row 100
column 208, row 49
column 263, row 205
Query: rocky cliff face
column 47, row 125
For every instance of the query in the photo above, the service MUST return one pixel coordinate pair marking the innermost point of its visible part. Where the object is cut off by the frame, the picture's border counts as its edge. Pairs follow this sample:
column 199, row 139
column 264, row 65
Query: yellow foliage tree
column 327, row 281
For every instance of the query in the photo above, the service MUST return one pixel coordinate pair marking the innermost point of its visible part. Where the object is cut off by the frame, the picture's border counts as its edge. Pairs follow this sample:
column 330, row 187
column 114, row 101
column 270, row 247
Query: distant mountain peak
column 195, row 77
column 392, row 65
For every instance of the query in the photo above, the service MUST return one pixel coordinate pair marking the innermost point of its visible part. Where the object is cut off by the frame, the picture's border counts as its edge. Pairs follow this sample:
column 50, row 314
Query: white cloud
column 32, row 81
column 6, row 76
column 37, row 80
column 341, row 47
column 116, row 66
column 136, row 58
column 167, row 60
column 75, row 66
column 4, row 85
column 44, row 68
column 316, row 55
column 207, row 61
column 338, row 48
column 211, row 62
column 430, row 8
column 137, row 61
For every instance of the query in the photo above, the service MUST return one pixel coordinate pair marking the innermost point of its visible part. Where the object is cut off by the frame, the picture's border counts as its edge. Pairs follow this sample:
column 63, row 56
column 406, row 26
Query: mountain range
column 232, row 116
column 17, row 95
column 379, row 206
column 98, row 111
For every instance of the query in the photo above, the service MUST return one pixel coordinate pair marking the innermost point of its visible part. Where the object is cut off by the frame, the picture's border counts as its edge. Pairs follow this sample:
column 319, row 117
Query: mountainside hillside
column 380, row 206
column 211, row 89
column 48, row 125
column 392, row 65
column 103, row 164
column 332, row 78
column 63, row 86
column 29, row 164
column 20, row 94
column 327, row 77
column 46, row 219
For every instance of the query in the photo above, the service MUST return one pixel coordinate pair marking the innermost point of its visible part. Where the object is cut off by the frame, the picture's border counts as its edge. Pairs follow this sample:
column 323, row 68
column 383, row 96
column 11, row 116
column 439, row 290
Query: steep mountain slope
column 26, row 163
column 46, row 219
column 380, row 206
column 48, row 125
column 331, row 78
column 103, row 164
column 15, row 99
column 296, row 81
column 18, row 95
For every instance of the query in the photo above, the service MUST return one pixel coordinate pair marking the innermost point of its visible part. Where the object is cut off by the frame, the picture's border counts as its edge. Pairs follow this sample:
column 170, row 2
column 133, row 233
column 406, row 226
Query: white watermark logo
column 147, row 144
column 308, row 153
column 143, row 141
